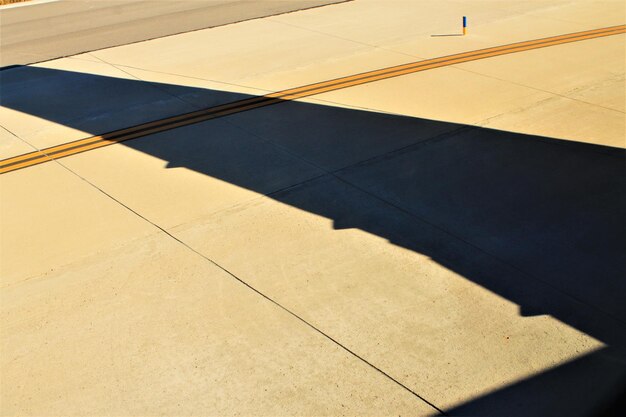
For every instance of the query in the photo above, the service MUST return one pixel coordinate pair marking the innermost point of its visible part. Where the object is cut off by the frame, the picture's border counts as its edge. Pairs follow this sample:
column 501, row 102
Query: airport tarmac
column 210, row 223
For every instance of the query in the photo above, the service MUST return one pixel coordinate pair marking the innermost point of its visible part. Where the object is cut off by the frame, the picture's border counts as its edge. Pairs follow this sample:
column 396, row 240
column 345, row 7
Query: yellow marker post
column 464, row 25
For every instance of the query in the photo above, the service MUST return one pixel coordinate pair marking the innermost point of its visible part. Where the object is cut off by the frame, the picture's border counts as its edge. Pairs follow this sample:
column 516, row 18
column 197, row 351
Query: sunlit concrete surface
column 448, row 241
column 40, row 30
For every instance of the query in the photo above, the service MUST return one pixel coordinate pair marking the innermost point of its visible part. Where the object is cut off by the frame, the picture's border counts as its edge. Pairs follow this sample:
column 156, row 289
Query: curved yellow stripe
column 144, row 129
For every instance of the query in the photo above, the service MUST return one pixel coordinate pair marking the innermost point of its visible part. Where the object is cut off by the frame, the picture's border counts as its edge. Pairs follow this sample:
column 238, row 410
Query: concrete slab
column 565, row 118
column 302, row 54
column 233, row 53
column 329, row 68
column 401, row 293
column 334, row 137
column 152, row 328
column 507, row 29
column 607, row 94
column 384, row 23
column 443, row 94
column 200, row 92
column 11, row 146
column 600, row 13
column 49, row 218
column 519, row 198
column 551, row 69
column 73, row 99
column 480, row 269
column 178, row 176
column 39, row 32
column 322, row 42
column 414, row 23
column 535, row 102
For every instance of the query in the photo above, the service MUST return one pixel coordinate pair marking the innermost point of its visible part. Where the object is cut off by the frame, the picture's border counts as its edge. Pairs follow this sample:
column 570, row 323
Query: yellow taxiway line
column 144, row 129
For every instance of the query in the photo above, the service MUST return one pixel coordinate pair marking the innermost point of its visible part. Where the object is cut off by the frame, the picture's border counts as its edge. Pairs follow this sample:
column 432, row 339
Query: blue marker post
column 464, row 25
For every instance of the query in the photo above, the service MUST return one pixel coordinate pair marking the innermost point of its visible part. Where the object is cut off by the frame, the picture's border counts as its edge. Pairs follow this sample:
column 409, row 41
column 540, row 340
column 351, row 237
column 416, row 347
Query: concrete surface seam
column 153, row 85
column 335, row 173
column 271, row 300
column 182, row 32
column 261, row 90
column 325, row 173
column 408, row 148
column 330, row 35
column 479, row 123
column 258, row 292
column 565, row 96
column 495, row 257
column 453, row 66
column 602, row 151
column 264, row 91
column 21, row 139
column 172, row 122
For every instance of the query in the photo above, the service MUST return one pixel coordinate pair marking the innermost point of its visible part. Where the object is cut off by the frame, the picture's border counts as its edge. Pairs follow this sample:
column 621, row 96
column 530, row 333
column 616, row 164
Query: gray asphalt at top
column 44, row 31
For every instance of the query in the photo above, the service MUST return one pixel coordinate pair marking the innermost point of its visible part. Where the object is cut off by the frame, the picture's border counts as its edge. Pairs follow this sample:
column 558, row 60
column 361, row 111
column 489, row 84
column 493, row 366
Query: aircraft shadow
column 537, row 220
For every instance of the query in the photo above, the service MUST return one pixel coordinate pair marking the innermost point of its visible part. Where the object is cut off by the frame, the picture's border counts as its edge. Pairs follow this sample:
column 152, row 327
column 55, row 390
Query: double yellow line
column 94, row 142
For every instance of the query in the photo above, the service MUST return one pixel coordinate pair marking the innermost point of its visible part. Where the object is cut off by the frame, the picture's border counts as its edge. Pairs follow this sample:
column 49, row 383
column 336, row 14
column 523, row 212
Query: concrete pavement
column 40, row 32
column 380, row 249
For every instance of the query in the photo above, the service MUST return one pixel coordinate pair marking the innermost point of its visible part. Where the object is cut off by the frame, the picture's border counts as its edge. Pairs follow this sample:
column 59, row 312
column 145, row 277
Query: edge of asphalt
column 226, row 23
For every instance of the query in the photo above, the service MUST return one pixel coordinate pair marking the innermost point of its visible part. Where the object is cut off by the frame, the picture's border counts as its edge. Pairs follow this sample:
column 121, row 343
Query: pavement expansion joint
column 94, row 142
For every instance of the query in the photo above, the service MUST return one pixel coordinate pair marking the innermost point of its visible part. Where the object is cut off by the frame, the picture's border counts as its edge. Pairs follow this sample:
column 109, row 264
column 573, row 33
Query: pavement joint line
column 565, row 96
column 489, row 254
column 187, row 76
column 331, row 82
column 94, row 142
column 321, row 332
column 251, row 87
column 173, row 34
column 19, row 138
column 336, row 173
column 462, row 57
column 325, row 172
column 336, row 37
column 457, row 67
column 243, row 282
column 152, row 84
column 257, row 291
column 310, row 325
column 266, row 91
column 333, row 173
column 484, row 251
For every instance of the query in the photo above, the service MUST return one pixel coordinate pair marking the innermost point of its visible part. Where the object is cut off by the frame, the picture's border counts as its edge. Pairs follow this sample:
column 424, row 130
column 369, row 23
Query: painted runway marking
column 144, row 129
